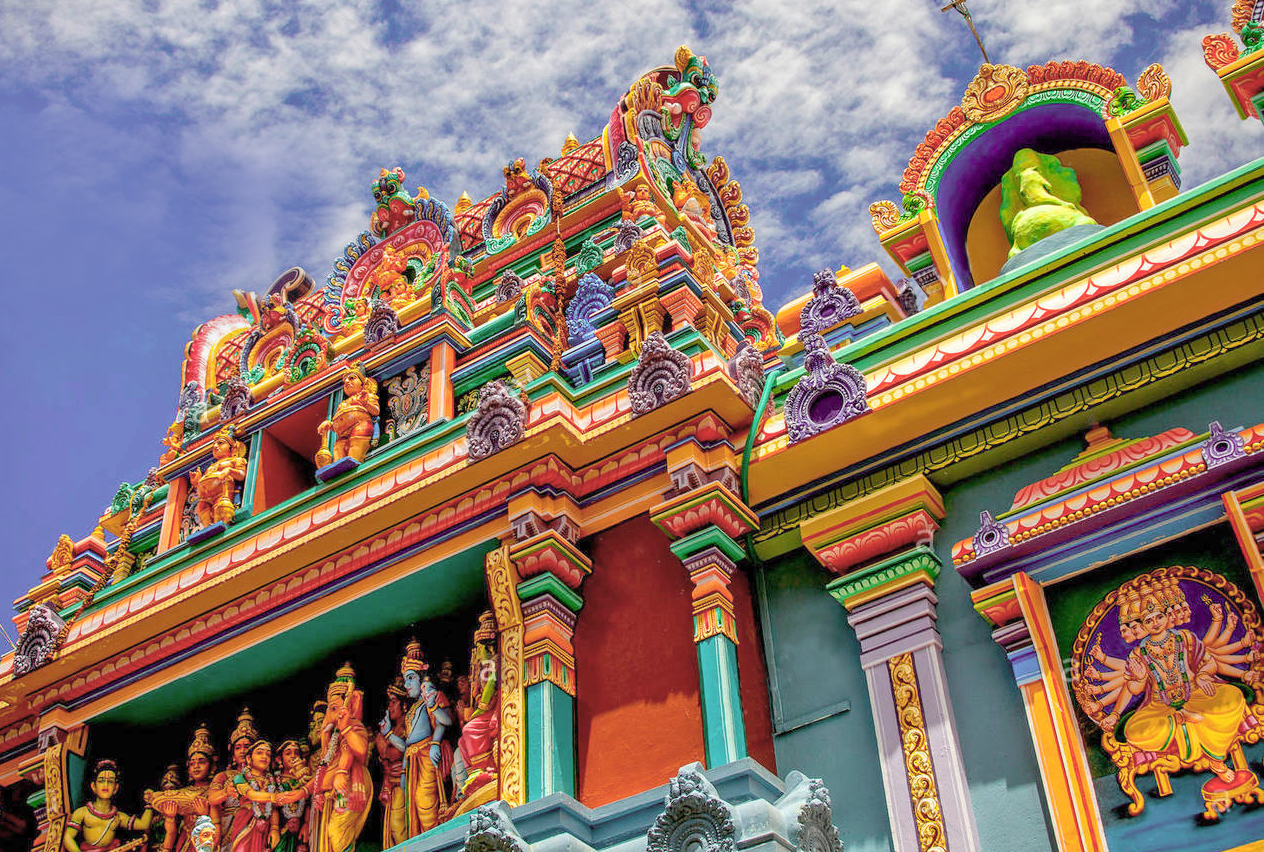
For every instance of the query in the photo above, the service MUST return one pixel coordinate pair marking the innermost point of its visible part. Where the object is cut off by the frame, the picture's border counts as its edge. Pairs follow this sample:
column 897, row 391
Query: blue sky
column 155, row 155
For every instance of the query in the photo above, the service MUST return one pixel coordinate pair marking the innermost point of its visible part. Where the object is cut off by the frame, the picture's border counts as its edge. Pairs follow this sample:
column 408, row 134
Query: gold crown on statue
column 201, row 743
column 245, row 729
column 344, row 681
column 412, row 661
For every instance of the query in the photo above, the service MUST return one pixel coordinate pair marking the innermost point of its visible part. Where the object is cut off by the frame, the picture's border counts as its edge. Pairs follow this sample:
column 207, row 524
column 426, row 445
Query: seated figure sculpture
column 1039, row 198
column 99, row 821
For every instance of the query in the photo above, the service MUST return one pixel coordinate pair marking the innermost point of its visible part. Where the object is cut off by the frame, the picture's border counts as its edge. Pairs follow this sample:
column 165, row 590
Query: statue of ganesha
column 1039, row 198
column 217, row 485
column 353, row 421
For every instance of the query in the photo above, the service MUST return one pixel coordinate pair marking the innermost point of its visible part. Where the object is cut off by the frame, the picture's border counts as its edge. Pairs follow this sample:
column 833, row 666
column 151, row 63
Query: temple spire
column 960, row 6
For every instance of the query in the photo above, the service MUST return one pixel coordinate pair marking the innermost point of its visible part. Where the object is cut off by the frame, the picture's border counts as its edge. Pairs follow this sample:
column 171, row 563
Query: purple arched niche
column 1048, row 128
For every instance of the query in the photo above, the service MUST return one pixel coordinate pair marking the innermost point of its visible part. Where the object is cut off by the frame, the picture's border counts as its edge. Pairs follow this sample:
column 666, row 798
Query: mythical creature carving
column 827, row 395
column 661, row 375
column 499, row 422
column 830, row 304
column 39, row 639
column 394, row 205
column 695, row 818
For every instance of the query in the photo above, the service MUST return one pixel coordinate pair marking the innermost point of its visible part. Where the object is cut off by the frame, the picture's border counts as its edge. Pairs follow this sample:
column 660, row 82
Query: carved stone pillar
column 879, row 547
column 551, row 568
column 707, row 519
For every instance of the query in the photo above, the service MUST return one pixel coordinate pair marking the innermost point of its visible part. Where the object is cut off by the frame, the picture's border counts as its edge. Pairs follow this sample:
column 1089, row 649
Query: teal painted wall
column 816, row 655
column 817, row 662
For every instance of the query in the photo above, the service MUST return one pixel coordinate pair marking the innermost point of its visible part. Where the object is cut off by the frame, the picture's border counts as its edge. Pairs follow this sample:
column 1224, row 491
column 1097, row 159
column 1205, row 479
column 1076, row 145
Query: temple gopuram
column 528, row 526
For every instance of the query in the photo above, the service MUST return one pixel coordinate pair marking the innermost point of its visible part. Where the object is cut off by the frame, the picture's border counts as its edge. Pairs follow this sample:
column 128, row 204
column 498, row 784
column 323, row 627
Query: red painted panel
column 639, row 716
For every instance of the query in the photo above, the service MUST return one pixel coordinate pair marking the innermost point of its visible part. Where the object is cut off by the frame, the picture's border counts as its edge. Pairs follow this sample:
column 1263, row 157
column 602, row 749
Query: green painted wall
column 816, row 655
column 816, row 658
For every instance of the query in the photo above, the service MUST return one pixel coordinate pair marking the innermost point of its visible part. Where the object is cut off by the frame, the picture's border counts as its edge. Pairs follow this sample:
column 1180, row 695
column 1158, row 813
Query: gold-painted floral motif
column 923, row 792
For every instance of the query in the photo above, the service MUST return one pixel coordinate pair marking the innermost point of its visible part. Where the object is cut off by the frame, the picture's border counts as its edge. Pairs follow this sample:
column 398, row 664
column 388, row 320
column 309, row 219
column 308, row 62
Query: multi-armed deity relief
column 1169, row 666
column 432, row 755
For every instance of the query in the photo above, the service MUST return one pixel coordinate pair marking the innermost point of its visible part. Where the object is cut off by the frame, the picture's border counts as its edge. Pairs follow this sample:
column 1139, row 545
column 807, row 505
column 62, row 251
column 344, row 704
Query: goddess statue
column 217, row 486
column 341, row 791
column 352, row 423
column 255, row 824
column 394, row 802
column 98, row 820
column 475, row 764
column 223, row 793
column 181, row 807
column 1039, row 197
column 292, row 774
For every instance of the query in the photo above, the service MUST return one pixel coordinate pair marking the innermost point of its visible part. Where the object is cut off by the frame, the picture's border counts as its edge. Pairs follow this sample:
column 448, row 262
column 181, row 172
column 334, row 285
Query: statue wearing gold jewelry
column 1039, row 197
column 180, row 807
column 99, row 821
column 353, row 421
column 342, row 790
column 217, row 485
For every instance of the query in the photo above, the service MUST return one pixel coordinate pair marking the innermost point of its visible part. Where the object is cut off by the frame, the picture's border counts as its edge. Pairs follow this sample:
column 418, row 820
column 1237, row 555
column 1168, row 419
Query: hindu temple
column 527, row 525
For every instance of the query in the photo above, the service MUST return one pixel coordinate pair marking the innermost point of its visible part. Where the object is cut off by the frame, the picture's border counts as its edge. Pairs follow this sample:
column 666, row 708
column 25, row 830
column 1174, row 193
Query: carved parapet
column 1241, row 70
column 694, row 818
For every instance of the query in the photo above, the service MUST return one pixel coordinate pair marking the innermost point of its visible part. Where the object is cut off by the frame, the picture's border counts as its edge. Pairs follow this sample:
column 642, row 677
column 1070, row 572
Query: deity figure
column 205, row 835
column 341, row 790
column 255, row 825
column 173, row 442
column 181, row 807
column 475, row 764
column 217, row 486
column 1039, row 197
column 98, row 820
column 292, row 774
column 640, row 202
column 223, row 793
column 315, row 724
column 425, row 723
column 1186, row 707
column 392, row 796
column 353, row 421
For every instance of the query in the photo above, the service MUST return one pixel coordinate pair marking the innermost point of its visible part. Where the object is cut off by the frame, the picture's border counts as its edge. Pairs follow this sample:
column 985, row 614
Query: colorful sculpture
column 425, row 724
column 292, row 774
column 342, row 789
column 182, row 807
column 223, row 794
column 391, row 731
column 99, row 821
column 354, row 420
column 218, row 485
column 474, row 772
column 205, row 835
column 1039, row 198
column 173, row 441
column 1173, row 700
column 255, row 825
